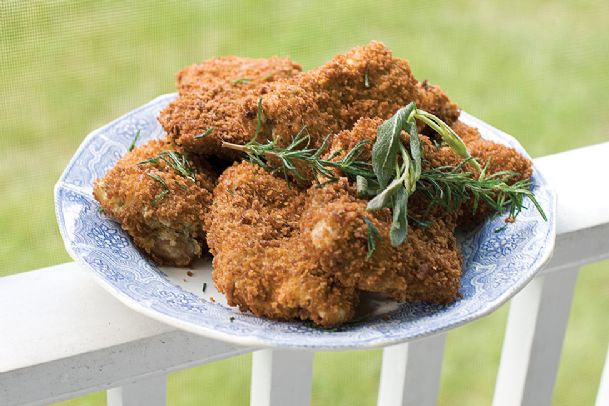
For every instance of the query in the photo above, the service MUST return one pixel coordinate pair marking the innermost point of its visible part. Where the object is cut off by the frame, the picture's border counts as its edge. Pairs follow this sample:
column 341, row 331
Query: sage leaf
column 399, row 226
column 384, row 198
column 415, row 149
column 362, row 185
column 385, row 148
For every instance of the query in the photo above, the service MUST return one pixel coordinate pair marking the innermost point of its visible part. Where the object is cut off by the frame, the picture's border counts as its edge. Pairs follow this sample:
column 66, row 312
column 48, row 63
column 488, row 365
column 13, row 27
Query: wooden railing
column 62, row 336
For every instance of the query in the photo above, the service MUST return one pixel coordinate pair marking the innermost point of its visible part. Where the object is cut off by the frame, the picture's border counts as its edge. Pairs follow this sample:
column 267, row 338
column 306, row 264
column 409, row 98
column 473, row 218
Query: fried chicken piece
column 426, row 267
column 158, row 206
column 256, row 264
column 212, row 97
column 284, row 254
column 499, row 158
column 365, row 82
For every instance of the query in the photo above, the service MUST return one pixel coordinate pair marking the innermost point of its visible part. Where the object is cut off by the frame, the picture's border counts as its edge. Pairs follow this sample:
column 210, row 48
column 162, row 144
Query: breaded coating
column 427, row 267
column 164, row 217
column 468, row 134
column 212, row 97
column 246, row 73
column 365, row 82
column 433, row 100
column 285, row 254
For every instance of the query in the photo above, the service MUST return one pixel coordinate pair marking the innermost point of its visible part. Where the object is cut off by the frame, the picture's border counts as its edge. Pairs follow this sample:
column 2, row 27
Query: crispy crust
column 234, row 72
column 170, row 231
column 252, row 226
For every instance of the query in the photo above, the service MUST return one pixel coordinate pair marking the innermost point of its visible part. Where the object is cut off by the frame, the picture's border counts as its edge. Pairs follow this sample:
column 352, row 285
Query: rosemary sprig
column 176, row 160
column 373, row 237
column 137, row 135
column 179, row 163
column 163, row 192
column 205, row 134
column 298, row 153
column 450, row 187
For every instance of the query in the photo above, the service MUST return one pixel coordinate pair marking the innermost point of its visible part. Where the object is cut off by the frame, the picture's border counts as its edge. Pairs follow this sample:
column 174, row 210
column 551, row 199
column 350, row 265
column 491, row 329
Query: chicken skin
column 157, row 205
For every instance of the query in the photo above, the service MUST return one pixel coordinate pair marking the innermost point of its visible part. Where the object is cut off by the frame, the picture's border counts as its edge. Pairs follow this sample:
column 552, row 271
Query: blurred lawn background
column 536, row 69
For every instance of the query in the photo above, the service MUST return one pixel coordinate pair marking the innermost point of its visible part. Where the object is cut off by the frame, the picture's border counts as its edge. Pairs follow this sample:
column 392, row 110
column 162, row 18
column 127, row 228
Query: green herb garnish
column 205, row 134
column 137, row 135
column 241, row 80
column 259, row 113
column 373, row 237
column 298, row 151
column 177, row 161
column 449, row 187
column 181, row 185
column 163, row 192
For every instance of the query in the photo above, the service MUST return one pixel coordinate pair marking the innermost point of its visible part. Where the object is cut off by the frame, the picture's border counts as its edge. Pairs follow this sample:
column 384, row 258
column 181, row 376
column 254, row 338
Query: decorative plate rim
column 257, row 341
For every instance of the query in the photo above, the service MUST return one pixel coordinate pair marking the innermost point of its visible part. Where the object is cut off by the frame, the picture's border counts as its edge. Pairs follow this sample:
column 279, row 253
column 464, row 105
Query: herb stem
column 236, row 147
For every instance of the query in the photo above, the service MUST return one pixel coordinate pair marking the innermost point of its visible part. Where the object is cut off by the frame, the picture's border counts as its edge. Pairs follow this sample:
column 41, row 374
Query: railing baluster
column 281, row 377
column 602, row 398
column 150, row 391
column 533, row 340
column 411, row 372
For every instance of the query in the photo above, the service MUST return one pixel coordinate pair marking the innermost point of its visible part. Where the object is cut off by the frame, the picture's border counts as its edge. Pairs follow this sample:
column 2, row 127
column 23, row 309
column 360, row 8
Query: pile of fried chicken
column 293, row 250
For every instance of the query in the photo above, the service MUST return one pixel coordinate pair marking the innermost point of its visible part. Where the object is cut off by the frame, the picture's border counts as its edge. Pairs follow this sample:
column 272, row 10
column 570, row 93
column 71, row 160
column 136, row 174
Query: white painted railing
column 62, row 336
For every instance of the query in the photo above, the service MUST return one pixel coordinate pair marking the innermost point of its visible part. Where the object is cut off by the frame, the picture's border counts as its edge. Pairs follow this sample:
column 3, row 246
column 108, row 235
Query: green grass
column 537, row 69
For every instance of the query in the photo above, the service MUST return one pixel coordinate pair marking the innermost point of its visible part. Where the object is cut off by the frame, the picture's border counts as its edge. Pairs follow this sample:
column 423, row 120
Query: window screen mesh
column 537, row 69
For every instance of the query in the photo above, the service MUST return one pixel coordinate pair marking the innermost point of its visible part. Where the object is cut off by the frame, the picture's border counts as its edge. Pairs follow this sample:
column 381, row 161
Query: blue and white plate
column 496, row 266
